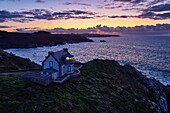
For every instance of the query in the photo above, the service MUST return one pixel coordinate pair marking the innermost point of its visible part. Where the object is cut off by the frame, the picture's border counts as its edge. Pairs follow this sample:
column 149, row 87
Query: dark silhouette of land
column 99, row 35
column 10, row 62
column 122, row 89
column 37, row 39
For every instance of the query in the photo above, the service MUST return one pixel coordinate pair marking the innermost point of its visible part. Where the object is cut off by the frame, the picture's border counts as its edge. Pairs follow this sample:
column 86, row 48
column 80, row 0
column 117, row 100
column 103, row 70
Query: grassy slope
column 103, row 86
column 10, row 62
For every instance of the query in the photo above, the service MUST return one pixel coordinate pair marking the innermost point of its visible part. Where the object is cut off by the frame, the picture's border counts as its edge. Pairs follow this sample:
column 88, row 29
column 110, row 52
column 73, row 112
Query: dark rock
column 103, row 41
column 168, row 95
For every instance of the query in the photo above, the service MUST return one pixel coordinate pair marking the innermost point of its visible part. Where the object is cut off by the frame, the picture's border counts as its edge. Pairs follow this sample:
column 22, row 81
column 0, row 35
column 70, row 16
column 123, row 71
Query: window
column 64, row 69
column 50, row 64
column 68, row 68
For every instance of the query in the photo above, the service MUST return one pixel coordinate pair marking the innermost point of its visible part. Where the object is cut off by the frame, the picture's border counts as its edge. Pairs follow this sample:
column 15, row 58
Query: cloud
column 113, row 6
column 20, row 29
column 154, row 16
column 10, row 0
column 154, row 2
column 47, row 15
column 27, row 29
column 40, row 1
column 79, row 12
column 123, row 16
column 5, row 26
column 77, row 3
column 6, row 15
column 150, row 15
column 132, row 1
column 122, row 4
column 132, row 5
column 43, row 14
column 148, row 29
column 156, row 12
column 159, row 8
column 2, row 20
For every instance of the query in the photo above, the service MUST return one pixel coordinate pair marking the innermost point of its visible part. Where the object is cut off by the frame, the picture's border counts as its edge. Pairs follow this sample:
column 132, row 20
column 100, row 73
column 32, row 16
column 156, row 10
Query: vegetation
column 102, row 87
column 10, row 62
column 37, row 39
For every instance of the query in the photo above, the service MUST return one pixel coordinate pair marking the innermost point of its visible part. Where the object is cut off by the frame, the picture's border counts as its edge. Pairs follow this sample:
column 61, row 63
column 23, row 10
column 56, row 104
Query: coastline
column 40, row 39
column 61, row 44
column 77, row 50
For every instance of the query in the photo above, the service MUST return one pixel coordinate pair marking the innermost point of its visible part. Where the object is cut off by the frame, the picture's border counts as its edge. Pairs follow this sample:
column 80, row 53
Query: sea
column 149, row 54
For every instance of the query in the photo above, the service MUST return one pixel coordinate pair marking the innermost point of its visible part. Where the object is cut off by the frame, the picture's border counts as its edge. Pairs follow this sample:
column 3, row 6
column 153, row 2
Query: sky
column 86, row 16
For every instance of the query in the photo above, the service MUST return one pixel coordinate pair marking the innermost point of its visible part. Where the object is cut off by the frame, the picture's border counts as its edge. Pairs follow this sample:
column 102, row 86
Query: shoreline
column 61, row 44
column 165, row 83
column 40, row 39
column 138, row 68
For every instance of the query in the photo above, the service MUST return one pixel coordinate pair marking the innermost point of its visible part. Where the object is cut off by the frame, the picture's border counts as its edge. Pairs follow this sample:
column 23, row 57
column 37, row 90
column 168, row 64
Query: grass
column 102, row 87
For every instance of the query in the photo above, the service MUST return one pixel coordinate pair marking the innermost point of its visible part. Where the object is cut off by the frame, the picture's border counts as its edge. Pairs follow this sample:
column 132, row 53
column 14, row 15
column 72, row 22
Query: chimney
column 50, row 53
column 65, row 49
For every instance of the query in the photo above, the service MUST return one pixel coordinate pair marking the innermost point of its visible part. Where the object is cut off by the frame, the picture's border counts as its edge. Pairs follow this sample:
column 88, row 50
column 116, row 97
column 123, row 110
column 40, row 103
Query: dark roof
column 58, row 55
column 50, row 70
column 68, row 55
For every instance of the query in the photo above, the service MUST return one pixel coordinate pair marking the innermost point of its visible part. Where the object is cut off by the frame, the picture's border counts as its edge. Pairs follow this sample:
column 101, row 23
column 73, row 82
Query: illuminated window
column 69, row 58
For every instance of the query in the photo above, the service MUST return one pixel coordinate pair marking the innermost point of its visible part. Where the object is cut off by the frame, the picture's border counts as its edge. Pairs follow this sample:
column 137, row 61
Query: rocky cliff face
column 103, row 87
column 149, row 91
column 159, row 91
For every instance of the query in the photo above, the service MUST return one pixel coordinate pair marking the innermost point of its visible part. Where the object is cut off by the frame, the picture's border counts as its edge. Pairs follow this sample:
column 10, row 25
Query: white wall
column 72, row 68
column 54, row 76
column 56, row 66
column 55, row 63
column 63, row 71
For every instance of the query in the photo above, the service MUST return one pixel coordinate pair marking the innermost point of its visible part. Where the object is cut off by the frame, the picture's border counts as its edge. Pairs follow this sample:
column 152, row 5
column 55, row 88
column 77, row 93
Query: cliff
column 10, row 62
column 103, row 87
column 38, row 39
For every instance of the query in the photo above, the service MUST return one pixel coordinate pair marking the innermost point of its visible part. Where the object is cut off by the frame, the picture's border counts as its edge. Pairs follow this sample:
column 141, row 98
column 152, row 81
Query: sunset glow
column 24, row 15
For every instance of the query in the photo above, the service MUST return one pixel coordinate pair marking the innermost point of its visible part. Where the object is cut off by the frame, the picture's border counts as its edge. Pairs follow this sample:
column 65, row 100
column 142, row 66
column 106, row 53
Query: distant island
column 99, row 35
column 38, row 39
